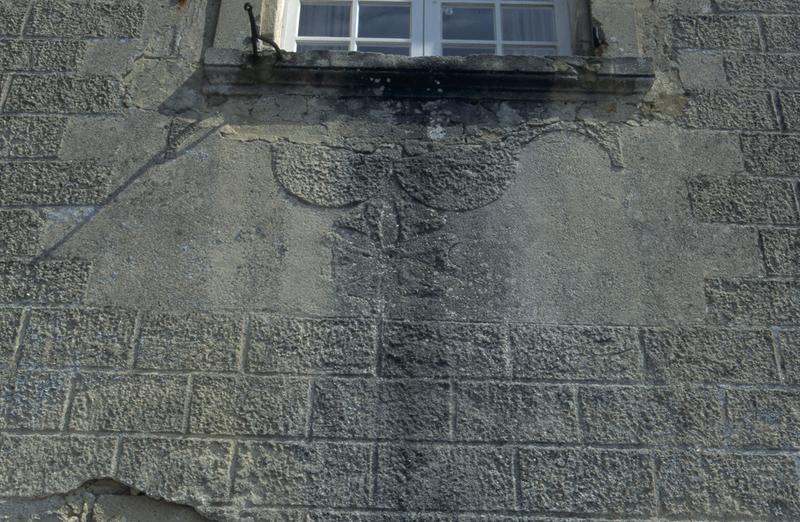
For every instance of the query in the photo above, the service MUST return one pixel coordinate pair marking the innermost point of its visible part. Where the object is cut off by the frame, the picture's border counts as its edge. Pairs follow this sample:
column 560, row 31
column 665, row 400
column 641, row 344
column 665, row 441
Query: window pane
column 529, row 24
column 384, row 21
column 452, row 50
column 324, row 20
column 301, row 47
column 467, row 23
column 385, row 49
column 529, row 51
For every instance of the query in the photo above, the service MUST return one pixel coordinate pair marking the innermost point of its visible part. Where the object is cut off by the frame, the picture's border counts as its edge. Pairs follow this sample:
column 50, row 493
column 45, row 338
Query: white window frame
column 426, row 26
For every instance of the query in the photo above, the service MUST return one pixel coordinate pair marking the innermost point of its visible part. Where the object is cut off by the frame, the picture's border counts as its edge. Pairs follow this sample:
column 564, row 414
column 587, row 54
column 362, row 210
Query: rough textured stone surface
column 370, row 408
column 753, row 301
column 311, row 345
column 781, row 33
column 781, row 251
column 764, row 418
column 30, row 136
column 19, row 232
column 743, row 200
column 71, row 18
column 152, row 403
column 12, row 16
column 190, row 342
column 762, row 6
column 575, row 353
column 182, row 470
column 638, row 415
column 63, row 94
column 56, row 183
column 771, row 154
column 730, row 110
column 97, row 338
column 51, row 463
column 734, row 486
column 587, row 481
column 511, row 412
column 57, row 282
column 444, row 350
column 708, row 355
column 716, row 32
column 321, row 474
column 41, row 55
column 761, row 71
column 33, row 400
column 790, row 104
column 442, row 477
column 789, row 342
column 9, row 324
column 249, row 406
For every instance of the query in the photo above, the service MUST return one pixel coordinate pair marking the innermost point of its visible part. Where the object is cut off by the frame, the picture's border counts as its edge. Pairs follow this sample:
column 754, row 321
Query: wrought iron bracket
column 255, row 35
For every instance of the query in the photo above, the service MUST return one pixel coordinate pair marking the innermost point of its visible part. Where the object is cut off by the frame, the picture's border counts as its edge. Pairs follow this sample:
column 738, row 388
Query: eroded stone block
column 54, row 183
column 249, row 405
column 78, row 338
column 729, row 110
column 41, row 55
column 771, row 154
column 764, row 418
column 30, row 137
column 279, row 344
column 709, row 355
column 33, row 400
column 19, row 232
column 445, row 478
column 64, row 94
column 716, row 32
column 743, row 200
column 575, row 353
column 370, row 408
column 120, row 402
column 72, row 19
column 440, row 350
column 782, row 33
column 9, row 324
column 53, row 282
column 743, row 301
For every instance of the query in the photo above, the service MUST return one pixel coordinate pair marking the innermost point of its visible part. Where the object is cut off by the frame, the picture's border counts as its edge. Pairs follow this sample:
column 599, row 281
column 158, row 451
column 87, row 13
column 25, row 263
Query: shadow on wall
column 103, row 500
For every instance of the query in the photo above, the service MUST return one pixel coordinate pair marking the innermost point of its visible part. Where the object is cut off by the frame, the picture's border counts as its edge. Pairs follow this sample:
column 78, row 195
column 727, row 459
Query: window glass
column 384, row 21
column 385, row 49
column 324, row 20
column 461, row 22
column 303, row 47
column 529, row 24
column 529, row 50
column 457, row 50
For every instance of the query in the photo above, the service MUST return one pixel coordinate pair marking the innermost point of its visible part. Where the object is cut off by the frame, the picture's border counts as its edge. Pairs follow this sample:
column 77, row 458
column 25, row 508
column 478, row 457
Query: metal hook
column 255, row 36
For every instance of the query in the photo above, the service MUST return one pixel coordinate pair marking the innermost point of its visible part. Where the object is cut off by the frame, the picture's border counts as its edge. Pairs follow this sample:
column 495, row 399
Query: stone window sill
column 233, row 72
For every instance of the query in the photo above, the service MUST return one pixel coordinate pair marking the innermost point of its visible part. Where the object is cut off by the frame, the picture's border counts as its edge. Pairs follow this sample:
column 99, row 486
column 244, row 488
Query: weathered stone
column 30, row 137
column 124, row 402
column 249, row 405
column 312, row 345
column 441, row 350
column 763, row 71
column 55, row 282
column 771, row 154
column 41, row 55
column 587, row 481
column 781, row 251
column 790, row 105
column 743, row 301
column 716, row 32
column 54, row 183
column 72, row 19
column 709, row 355
column 370, row 408
column 458, row 178
column 639, row 415
column 129, row 508
column 743, row 200
column 35, row 466
column 98, row 338
column 63, row 94
column 445, row 478
column 729, row 110
column 9, row 324
column 498, row 412
column 319, row 474
column 19, row 232
column 32, row 400
column 789, row 342
column 764, row 418
column 190, row 342
column 728, row 486
column 331, row 177
column 181, row 470
column 255, row 514
column 575, row 353
column 701, row 69
column 758, row 6
column 12, row 16
column 782, row 33
column 327, row 516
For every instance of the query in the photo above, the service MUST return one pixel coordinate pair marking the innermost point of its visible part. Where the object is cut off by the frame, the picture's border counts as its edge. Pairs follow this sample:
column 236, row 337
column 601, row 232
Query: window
column 430, row 27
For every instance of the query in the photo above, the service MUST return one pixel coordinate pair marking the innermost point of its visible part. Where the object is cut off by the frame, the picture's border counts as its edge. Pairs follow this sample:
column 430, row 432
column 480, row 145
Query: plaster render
column 243, row 291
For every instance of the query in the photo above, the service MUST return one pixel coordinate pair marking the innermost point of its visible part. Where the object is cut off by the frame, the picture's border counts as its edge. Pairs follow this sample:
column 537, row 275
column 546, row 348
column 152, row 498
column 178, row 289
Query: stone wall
column 318, row 307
